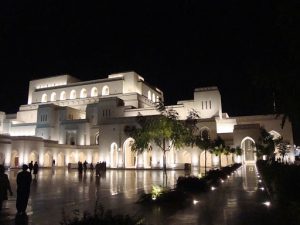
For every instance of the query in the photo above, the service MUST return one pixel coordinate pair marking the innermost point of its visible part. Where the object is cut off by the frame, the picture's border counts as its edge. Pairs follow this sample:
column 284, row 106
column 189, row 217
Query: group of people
column 100, row 166
column 33, row 167
column 23, row 187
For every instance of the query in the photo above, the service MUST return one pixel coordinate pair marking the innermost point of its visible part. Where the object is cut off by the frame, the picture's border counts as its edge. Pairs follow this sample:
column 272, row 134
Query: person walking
column 30, row 165
column 35, row 169
column 4, row 186
column 23, row 189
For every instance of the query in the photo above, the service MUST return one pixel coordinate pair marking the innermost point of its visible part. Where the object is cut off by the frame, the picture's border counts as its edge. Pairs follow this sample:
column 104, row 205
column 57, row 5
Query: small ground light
column 259, row 181
column 213, row 188
column 195, row 202
column 228, row 176
column 222, row 181
column 262, row 188
column 267, row 203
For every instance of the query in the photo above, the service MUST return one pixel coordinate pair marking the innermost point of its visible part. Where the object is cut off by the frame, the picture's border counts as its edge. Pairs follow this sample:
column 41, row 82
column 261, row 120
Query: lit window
column 94, row 92
column 105, row 90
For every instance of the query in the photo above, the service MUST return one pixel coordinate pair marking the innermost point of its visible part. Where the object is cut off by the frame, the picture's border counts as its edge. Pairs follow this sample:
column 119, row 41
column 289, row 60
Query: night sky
column 175, row 45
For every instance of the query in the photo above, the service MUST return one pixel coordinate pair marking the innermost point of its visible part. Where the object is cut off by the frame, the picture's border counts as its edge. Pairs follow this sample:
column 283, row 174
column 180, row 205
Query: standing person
column 35, row 169
column 23, row 189
column 85, row 166
column 53, row 163
column 30, row 165
column 4, row 186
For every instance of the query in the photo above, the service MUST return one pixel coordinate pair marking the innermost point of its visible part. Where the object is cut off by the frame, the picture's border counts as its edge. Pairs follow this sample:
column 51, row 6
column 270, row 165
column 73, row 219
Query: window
column 73, row 94
column 149, row 95
column 83, row 93
column 94, row 92
column 210, row 104
column 105, row 90
column 44, row 98
column 205, row 134
column 63, row 95
column 53, row 97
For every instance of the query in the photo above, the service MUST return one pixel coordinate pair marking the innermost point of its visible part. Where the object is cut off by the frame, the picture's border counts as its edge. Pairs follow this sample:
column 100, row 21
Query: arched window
column 205, row 134
column 73, row 94
column 44, row 98
column 63, row 95
column 53, row 97
column 94, row 92
column 83, row 93
column 105, row 90
column 149, row 95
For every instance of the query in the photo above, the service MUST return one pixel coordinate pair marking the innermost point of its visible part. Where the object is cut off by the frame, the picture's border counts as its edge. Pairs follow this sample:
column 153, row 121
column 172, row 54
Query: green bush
column 100, row 217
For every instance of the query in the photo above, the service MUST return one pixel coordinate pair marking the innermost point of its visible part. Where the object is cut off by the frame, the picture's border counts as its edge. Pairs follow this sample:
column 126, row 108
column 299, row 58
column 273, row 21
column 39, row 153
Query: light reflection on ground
column 55, row 191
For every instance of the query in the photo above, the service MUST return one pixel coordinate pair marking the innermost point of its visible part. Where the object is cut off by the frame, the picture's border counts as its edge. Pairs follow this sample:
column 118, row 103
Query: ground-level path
column 238, row 201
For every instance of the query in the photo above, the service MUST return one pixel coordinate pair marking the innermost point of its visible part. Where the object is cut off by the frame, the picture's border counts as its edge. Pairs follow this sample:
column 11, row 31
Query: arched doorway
column 48, row 160
column 60, row 159
column 130, row 156
column 72, row 157
column 184, row 157
column 208, row 159
column 114, row 155
column 82, row 157
column 248, row 147
column 33, row 156
column 148, row 158
column 14, row 159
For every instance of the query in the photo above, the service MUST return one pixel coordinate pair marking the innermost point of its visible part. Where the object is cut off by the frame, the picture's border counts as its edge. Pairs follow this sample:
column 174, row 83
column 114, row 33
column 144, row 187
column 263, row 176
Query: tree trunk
column 164, row 157
column 220, row 161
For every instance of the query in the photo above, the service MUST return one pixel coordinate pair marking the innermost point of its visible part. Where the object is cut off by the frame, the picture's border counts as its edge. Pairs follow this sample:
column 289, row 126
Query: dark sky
column 175, row 45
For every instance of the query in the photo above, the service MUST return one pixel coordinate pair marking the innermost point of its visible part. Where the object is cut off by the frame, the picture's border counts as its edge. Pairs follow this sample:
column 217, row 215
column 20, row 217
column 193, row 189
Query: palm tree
column 227, row 152
column 283, row 148
column 203, row 142
column 219, row 145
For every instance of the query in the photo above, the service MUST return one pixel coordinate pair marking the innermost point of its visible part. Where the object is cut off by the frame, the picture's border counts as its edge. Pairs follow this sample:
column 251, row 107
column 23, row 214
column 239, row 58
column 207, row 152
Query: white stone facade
column 71, row 120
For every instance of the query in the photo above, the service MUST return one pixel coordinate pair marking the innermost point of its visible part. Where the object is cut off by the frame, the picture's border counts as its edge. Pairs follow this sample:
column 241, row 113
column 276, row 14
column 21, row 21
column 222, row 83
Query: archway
column 96, row 157
column 83, row 93
column 248, row 147
column 60, row 159
column 208, row 159
column 47, row 159
column 73, row 94
column 14, row 159
column 33, row 156
column 53, row 97
column 114, row 155
column 63, row 95
column 130, row 157
column 148, row 159
column 44, row 98
column 82, row 157
column 72, row 157
column 94, row 92
column 105, row 90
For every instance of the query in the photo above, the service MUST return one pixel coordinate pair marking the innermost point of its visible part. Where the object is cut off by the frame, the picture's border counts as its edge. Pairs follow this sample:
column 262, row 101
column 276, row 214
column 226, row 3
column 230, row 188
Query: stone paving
column 239, row 200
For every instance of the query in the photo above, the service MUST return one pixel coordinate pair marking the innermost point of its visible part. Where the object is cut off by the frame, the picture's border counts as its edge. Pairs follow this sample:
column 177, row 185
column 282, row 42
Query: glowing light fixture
column 267, row 203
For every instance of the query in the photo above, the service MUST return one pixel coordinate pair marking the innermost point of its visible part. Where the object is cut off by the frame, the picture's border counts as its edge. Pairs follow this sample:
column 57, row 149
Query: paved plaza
column 239, row 200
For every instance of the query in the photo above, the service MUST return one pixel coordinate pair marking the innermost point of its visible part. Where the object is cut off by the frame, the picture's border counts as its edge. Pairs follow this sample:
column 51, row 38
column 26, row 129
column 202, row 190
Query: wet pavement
column 239, row 200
